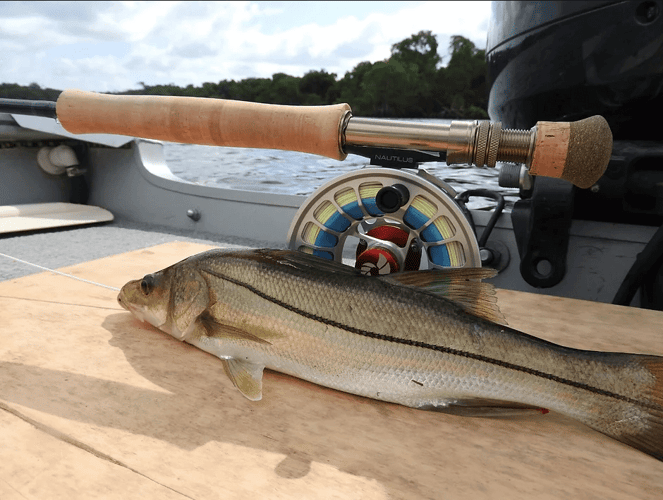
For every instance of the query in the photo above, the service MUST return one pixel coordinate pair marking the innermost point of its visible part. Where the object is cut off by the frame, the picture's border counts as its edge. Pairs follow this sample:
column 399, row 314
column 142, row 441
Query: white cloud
column 113, row 45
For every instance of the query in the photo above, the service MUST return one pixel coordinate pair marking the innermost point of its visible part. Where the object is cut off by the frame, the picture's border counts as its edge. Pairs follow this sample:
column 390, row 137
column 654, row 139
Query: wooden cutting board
column 94, row 404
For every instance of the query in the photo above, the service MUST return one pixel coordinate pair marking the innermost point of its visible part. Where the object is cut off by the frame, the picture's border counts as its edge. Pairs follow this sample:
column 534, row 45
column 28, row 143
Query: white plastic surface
column 34, row 216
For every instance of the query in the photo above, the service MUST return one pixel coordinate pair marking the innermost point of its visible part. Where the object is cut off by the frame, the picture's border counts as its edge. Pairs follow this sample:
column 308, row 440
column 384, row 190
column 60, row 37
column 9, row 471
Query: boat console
column 567, row 61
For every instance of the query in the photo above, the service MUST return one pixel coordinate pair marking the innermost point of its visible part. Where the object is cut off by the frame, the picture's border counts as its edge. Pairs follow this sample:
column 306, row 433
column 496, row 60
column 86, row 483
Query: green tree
column 210, row 89
column 420, row 51
column 316, row 87
column 418, row 56
column 350, row 90
column 32, row 92
column 228, row 89
column 389, row 90
column 253, row 89
column 462, row 85
column 284, row 90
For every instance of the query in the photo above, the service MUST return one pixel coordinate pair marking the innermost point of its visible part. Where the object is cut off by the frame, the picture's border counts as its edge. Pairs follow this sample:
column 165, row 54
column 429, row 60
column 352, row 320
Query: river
column 287, row 172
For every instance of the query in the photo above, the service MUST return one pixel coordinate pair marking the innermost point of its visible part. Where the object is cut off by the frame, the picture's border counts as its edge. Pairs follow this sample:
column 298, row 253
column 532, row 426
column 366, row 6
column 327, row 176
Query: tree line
column 411, row 83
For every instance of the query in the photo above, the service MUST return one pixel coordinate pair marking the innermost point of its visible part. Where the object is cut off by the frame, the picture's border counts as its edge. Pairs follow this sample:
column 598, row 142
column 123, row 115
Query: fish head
column 147, row 298
column 171, row 299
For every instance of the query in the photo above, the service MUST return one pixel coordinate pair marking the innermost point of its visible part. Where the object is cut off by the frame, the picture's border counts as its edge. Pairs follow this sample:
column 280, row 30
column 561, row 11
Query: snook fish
column 424, row 339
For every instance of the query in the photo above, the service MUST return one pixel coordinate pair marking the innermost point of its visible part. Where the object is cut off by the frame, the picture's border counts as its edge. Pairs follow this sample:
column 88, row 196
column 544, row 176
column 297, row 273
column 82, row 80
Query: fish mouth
column 142, row 315
column 122, row 302
column 138, row 313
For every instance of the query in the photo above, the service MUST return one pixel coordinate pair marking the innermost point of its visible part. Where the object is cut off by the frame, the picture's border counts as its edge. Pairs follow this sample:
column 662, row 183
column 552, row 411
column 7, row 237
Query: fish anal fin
column 461, row 286
column 478, row 407
column 216, row 328
column 246, row 376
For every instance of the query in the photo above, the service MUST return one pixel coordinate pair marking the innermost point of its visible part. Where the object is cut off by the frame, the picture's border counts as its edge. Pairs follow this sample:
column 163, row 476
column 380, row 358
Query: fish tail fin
column 637, row 420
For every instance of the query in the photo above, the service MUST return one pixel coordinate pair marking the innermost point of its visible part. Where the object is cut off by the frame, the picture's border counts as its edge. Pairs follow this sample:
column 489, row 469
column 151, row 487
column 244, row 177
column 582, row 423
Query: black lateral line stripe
column 434, row 347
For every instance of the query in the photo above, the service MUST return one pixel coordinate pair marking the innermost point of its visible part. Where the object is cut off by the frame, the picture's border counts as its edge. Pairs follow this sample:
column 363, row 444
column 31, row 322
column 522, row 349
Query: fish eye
column 147, row 284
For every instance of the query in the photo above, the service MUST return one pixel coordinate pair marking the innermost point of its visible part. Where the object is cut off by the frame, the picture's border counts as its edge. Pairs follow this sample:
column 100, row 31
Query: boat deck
column 58, row 248
column 95, row 404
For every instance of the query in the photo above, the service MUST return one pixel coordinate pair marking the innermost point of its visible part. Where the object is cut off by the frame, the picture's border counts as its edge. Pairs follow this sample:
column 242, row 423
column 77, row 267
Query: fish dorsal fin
column 306, row 262
column 479, row 407
column 246, row 376
column 215, row 328
column 461, row 286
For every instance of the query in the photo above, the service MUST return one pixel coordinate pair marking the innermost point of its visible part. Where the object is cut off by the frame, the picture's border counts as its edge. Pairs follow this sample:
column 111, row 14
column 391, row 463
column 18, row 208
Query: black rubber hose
column 23, row 107
column 645, row 262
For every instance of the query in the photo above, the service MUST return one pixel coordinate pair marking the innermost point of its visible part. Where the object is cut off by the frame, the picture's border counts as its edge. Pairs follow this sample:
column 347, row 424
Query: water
column 287, row 172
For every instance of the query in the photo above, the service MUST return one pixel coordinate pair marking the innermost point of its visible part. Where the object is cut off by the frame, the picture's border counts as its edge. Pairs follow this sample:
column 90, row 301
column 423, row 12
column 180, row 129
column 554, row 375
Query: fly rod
column 578, row 151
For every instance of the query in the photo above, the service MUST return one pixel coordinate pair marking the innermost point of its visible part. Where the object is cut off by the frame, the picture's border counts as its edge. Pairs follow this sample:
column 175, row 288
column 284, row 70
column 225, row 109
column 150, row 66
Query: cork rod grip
column 215, row 122
column 578, row 152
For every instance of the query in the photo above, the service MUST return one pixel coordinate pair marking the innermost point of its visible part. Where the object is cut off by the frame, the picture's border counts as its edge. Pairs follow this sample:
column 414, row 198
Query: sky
column 112, row 46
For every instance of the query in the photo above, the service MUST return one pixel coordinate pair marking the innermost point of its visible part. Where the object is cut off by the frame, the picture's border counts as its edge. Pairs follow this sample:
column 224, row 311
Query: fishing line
column 60, row 273
column 59, row 302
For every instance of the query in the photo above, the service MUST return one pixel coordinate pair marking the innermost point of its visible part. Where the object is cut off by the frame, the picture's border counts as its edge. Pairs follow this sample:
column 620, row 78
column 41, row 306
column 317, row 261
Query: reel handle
column 214, row 122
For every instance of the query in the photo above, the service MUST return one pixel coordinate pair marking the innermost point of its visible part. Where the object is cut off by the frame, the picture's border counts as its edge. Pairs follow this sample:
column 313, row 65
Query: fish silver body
column 394, row 339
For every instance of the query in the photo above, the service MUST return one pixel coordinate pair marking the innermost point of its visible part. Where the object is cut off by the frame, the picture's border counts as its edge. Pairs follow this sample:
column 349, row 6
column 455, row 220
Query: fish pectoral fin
column 461, row 286
column 246, row 376
column 216, row 328
column 478, row 407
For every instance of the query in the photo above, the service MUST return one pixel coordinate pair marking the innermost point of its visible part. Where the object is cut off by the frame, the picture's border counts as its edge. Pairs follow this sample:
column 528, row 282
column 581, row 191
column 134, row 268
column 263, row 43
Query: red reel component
column 379, row 260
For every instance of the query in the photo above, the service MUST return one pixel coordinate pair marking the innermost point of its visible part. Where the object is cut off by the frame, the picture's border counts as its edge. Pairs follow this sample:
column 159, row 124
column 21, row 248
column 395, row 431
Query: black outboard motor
column 564, row 61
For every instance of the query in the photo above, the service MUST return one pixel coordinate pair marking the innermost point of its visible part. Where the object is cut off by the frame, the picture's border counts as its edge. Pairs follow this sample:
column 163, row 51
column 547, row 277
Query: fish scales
column 376, row 338
column 410, row 315
column 327, row 354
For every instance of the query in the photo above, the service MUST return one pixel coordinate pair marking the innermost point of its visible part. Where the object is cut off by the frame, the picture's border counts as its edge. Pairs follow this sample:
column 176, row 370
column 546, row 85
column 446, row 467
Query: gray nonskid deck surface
column 66, row 247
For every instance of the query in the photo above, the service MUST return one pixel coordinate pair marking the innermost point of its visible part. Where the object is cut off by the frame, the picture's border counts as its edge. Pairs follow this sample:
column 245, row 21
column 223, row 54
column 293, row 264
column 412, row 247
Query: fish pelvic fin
column 246, row 376
column 480, row 407
column 461, row 286
column 636, row 421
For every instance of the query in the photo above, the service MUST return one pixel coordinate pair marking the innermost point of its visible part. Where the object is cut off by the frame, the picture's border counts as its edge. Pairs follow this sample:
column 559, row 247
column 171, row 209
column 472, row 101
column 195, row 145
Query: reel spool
column 386, row 221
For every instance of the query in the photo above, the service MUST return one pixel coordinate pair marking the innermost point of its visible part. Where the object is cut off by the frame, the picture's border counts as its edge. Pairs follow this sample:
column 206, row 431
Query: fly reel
column 385, row 221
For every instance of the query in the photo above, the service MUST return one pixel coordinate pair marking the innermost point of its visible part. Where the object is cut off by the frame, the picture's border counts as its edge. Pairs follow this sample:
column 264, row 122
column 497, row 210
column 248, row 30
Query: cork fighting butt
column 578, row 152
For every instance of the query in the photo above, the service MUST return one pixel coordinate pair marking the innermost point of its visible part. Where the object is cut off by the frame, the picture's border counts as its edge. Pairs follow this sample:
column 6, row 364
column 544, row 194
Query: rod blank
column 33, row 108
